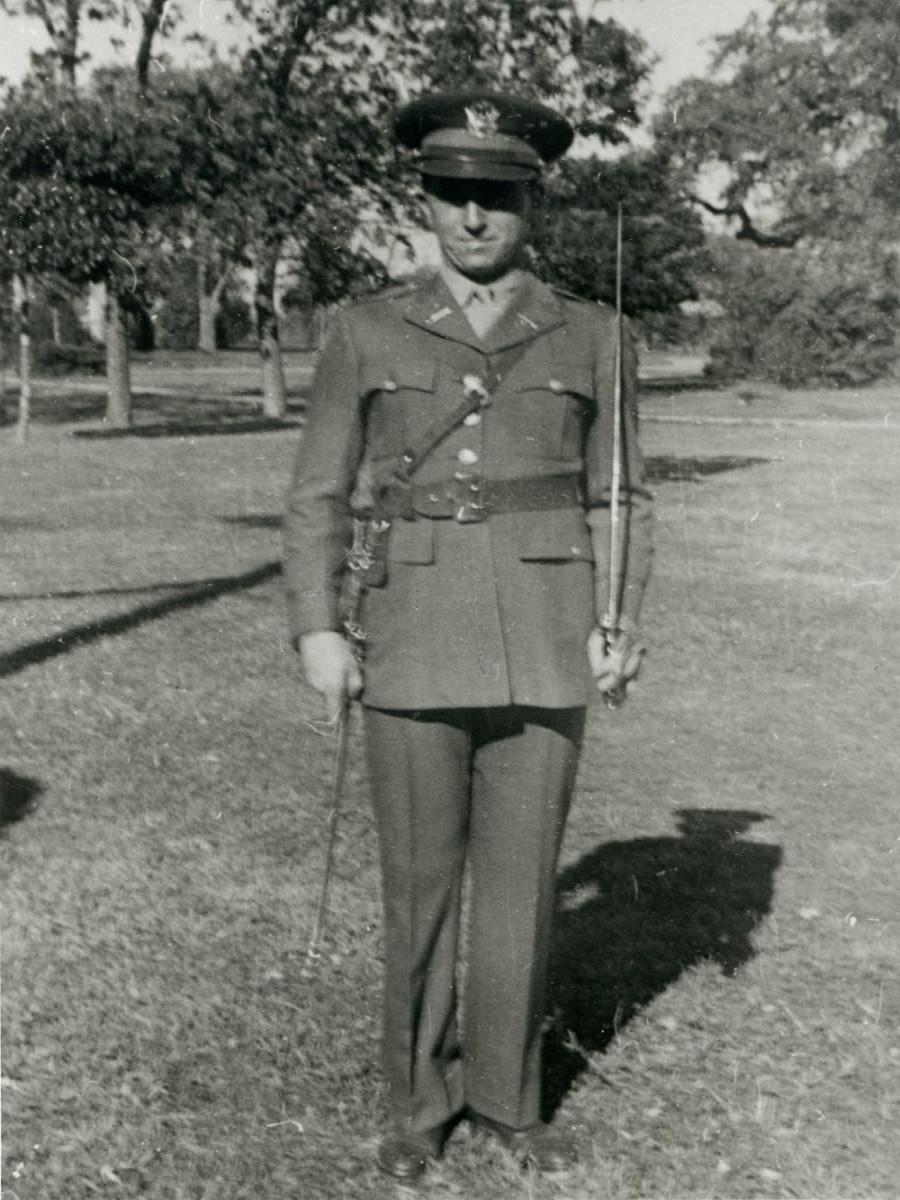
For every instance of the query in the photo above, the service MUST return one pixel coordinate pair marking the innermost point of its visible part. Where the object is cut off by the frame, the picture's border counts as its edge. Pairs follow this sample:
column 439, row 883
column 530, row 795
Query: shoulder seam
column 568, row 295
column 389, row 293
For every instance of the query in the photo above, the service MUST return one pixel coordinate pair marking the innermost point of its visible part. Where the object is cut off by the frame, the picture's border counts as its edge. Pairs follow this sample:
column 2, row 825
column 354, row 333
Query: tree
column 291, row 147
column 796, row 131
column 794, row 140
column 81, row 189
column 54, row 71
column 663, row 243
column 823, row 314
column 591, row 69
column 62, row 21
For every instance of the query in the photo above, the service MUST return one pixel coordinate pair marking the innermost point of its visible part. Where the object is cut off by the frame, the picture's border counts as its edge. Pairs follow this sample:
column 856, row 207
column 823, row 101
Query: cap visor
column 462, row 169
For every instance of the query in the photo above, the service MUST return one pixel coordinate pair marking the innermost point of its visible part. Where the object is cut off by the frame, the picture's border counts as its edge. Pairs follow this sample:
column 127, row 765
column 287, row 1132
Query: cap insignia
column 482, row 119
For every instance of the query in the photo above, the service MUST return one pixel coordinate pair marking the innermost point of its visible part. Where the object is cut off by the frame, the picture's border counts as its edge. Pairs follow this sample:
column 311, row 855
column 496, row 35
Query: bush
column 41, row 323
column 234, row 322
column 821, row 315
column 177, row 318
column 86, row 359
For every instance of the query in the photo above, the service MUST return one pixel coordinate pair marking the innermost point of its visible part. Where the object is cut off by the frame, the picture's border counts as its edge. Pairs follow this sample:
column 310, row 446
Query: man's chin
column 479, row 270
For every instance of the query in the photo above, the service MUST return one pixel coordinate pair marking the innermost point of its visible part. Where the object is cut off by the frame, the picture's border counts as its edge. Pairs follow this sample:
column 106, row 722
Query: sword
column 358, row 561
column 610, row 624
column 339, row 769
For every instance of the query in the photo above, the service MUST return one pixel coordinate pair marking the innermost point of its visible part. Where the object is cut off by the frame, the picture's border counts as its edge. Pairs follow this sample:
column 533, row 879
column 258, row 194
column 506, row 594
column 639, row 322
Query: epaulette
column 395, row 292
column 567, row 295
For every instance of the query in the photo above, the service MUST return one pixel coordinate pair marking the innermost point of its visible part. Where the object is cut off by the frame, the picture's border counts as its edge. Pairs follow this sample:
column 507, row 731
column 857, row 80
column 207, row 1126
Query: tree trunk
column 118, row 375
column 209, row 299
column 208, row 310
column 23, row 327
column 151, row 19
column 56, row 324
column 95, row 314
column 274, row 389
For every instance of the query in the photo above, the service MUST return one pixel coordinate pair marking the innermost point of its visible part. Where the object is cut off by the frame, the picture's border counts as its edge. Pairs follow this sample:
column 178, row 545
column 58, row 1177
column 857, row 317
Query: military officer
column 473, row 415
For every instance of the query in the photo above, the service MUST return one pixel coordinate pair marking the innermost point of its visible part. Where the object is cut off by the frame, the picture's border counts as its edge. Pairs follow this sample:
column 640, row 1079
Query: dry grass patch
column 725, row 984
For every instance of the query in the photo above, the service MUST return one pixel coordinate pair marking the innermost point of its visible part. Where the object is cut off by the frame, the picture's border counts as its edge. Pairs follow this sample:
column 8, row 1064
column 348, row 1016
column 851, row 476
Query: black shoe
column 405, row 1155
column 549, row 1150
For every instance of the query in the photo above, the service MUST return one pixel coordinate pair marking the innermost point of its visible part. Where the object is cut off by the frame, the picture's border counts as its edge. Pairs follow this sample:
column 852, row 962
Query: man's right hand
column 331, row 668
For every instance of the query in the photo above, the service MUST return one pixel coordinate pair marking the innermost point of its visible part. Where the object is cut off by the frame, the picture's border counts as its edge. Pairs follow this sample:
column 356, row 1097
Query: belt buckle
column 469, row 499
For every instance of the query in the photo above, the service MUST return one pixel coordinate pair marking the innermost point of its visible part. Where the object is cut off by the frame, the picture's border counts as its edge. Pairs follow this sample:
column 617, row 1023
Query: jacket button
column 473, row 386
column 389, row 385
column 472, row 419
column 556, row 386
column 467, row 457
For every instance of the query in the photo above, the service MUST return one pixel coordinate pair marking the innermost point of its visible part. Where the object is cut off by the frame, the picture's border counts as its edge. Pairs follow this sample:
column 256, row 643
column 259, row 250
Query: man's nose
column 473, row 218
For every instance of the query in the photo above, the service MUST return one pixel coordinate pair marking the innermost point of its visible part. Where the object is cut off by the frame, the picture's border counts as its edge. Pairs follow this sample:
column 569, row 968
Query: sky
column 679, row 32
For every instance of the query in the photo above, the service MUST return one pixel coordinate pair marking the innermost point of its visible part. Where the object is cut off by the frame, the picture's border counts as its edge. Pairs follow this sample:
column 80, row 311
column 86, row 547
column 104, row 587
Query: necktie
column 482, row 310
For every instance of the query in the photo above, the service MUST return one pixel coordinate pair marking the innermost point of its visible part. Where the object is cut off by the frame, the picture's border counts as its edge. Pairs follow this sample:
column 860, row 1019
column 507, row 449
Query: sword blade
column 339, row 770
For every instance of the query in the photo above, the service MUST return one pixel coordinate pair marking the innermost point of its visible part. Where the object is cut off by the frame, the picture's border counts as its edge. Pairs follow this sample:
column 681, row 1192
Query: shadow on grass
column 155, row 414
column 677, row 383
column 18, row 794
column 185, row 428
column 255, row 521
column 79, row 635
column 634, row 915
column 138, row 589
column 666, row 468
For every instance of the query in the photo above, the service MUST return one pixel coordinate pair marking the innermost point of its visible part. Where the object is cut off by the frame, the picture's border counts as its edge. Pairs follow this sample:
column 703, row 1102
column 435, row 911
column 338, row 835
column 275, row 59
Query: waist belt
column 469, row 498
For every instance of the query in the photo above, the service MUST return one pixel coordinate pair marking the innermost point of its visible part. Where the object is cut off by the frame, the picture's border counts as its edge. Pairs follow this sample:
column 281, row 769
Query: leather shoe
column 547, row 1149
column 405, row 1155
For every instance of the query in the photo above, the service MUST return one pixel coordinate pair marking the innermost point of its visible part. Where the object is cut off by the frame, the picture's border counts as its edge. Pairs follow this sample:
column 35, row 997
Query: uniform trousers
column 491, row 787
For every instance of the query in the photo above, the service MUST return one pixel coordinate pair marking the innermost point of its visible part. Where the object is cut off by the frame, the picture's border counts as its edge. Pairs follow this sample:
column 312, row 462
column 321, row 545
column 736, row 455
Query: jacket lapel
column 533, row 312
column 433, row 308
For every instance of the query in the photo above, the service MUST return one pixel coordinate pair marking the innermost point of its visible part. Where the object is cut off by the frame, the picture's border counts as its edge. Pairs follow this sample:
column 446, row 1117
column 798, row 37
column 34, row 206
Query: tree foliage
column 796, row 132
column 823, row 314
column 84, row 182
column 63, row 23
column 663, row 241
column 591, row 69
column 794, row 139
column 276, row 160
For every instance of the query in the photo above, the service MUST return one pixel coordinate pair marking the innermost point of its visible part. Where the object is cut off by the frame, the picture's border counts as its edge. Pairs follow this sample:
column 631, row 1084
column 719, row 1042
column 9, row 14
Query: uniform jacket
column 497, row 611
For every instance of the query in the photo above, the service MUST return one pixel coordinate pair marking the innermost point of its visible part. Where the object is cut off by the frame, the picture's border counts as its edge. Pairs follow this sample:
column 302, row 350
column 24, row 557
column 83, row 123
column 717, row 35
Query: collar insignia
column 482, row 119
column 527, row 321
column 439, row 315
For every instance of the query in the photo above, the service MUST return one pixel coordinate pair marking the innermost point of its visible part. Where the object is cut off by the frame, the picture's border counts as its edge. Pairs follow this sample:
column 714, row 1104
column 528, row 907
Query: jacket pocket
column 557, row 408
column 388, row 390
column 400, row 376
column 411, row 542
column 559, row 535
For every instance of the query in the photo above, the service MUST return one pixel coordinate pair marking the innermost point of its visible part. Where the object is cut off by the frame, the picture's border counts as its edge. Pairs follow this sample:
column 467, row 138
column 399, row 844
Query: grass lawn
column 726, row 983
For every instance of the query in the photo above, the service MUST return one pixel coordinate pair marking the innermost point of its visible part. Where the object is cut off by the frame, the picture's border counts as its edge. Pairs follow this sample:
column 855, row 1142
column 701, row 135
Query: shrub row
column 827, row 315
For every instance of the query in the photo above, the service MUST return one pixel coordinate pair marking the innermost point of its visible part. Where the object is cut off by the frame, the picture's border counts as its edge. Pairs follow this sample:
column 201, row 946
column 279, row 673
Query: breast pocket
column 552, row 413
column 393, row 394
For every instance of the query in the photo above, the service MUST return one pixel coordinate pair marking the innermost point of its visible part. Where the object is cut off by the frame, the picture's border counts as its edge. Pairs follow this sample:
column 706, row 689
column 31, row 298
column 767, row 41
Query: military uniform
column 476, row 674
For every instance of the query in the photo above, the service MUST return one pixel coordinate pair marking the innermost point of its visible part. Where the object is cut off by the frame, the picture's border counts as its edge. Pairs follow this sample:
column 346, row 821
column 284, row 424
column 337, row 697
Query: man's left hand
column 616, row 662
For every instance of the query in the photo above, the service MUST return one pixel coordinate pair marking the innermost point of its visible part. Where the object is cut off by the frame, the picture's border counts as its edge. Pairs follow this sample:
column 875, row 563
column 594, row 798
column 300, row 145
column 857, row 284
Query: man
column 473, row 417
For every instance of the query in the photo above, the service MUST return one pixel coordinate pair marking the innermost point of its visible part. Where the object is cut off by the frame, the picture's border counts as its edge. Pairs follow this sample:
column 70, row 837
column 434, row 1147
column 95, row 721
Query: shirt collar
column 463, row 289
